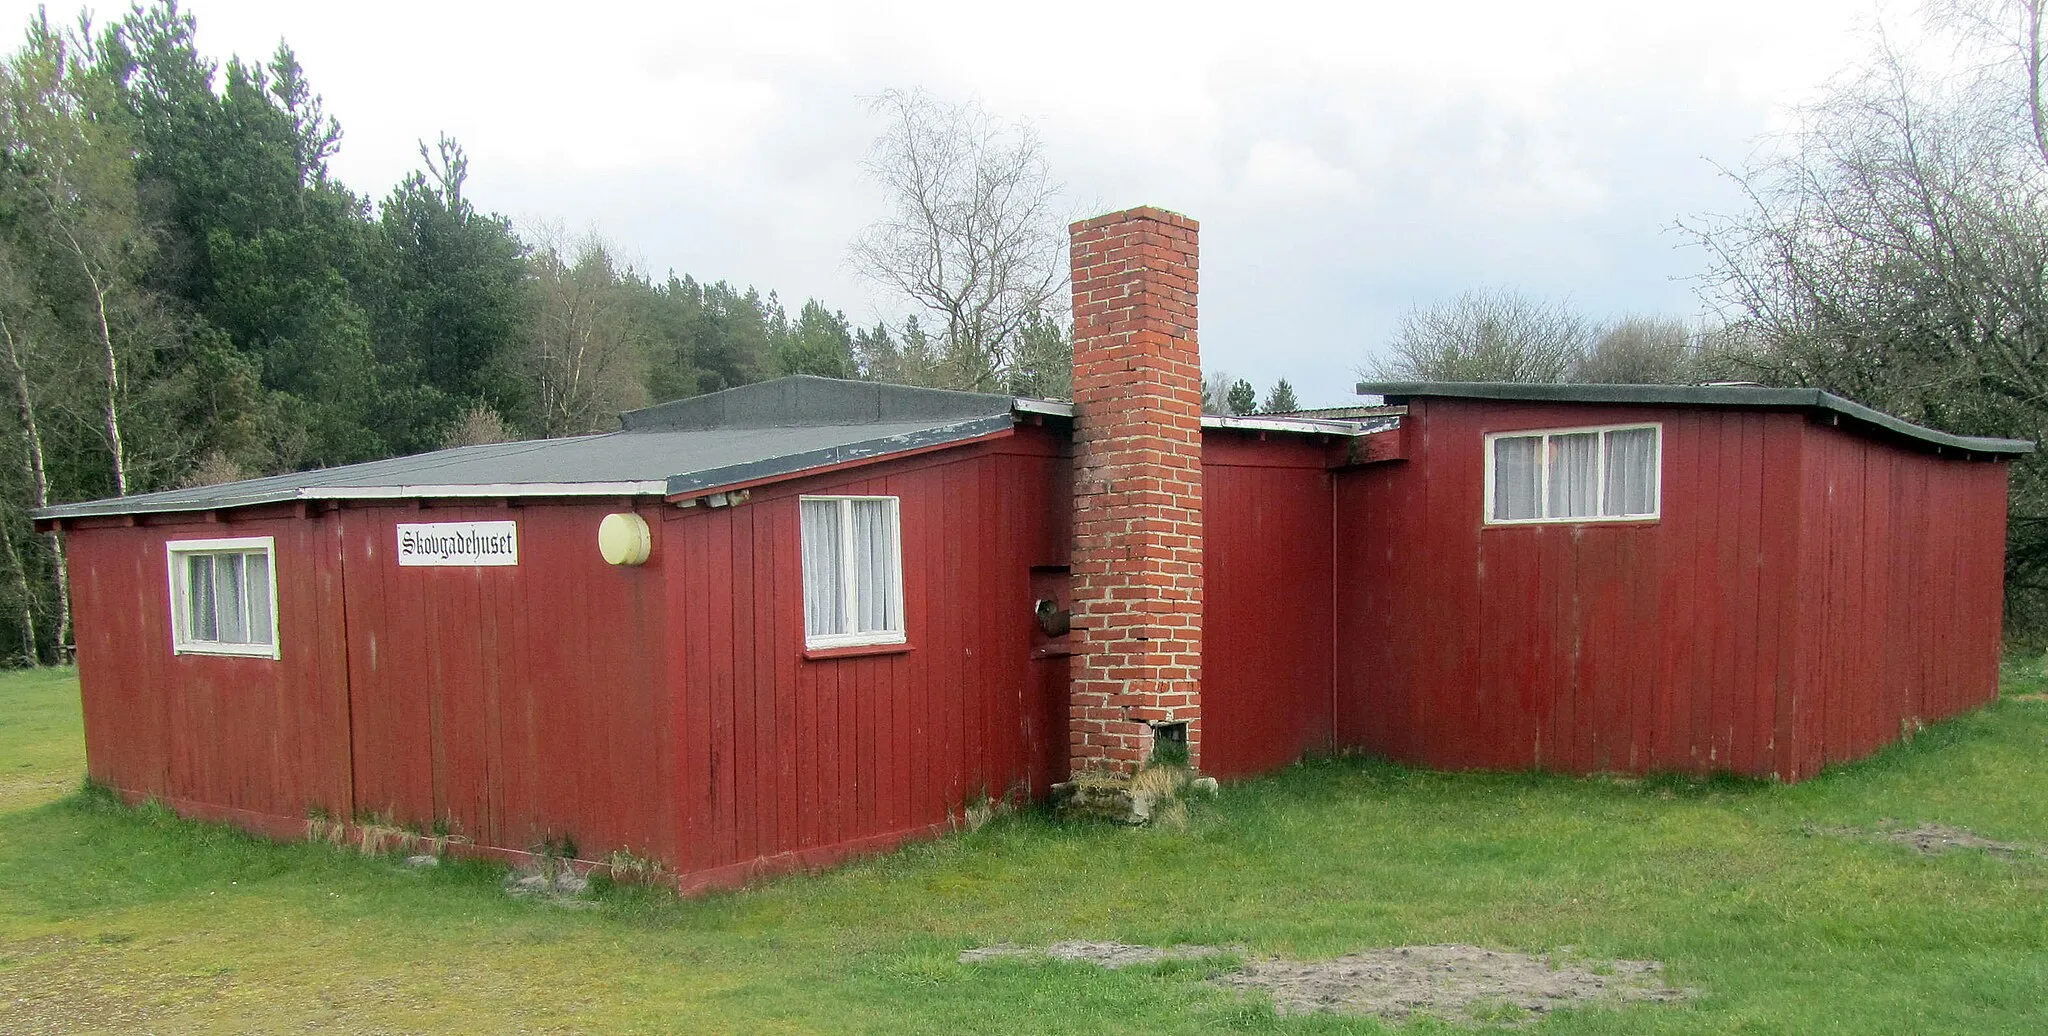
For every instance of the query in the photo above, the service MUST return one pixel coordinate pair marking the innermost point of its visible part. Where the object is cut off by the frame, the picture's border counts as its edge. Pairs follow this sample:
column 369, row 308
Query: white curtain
column 824, row 593
column 1517, row 482
column 875, row 568
column 199, row 598
column 1631, row 472
column 258, row 590
column 1574, row 475
column 227, row 583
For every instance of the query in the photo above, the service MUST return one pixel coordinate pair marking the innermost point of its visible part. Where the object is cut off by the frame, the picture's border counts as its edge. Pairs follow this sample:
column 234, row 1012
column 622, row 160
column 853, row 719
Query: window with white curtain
column 1574, row 474
column 223, row 596
column 853, row 571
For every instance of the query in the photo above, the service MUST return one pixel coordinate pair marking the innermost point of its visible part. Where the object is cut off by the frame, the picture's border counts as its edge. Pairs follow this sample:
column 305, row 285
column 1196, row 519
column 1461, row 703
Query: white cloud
column 1347, row 160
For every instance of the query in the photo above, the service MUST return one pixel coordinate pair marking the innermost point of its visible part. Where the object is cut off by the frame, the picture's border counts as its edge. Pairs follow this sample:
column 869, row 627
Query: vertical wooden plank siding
column 261, row 741
column 510, row 705
column 795, row 759
column 1913, row 583
column 1807, row 594
column 1266, row 652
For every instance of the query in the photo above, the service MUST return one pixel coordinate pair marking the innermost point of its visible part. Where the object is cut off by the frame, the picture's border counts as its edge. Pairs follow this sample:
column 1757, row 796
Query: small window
column 223, row 597
column 1574, row 475
column 853, row 571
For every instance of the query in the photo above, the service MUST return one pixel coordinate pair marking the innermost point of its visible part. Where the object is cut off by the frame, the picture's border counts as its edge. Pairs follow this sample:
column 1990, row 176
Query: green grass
column 120, row 920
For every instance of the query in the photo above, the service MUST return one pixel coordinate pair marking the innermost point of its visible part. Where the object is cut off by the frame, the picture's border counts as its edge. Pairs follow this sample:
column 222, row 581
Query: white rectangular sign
column 458, row 543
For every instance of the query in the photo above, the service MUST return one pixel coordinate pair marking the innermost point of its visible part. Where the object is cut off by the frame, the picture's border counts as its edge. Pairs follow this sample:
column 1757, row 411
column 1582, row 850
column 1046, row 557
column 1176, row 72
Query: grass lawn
column 120, row 920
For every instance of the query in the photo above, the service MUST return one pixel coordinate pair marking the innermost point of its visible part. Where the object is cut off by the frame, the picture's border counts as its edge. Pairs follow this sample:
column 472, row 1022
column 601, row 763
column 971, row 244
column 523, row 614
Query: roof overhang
column 1733, row 396
column 1276, row 423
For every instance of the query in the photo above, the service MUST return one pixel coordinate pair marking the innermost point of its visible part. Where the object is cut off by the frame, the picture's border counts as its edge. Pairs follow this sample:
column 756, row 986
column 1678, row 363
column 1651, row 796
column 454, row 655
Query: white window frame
column 175, row 553
column 848, row 600
column 1599, row 476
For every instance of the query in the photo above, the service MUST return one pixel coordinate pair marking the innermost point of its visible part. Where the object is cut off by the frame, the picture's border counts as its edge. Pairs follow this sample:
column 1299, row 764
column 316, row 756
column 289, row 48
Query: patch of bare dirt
column 2030, row 697
column 1457, row 983
column 1930, row 839
column 1110, row 955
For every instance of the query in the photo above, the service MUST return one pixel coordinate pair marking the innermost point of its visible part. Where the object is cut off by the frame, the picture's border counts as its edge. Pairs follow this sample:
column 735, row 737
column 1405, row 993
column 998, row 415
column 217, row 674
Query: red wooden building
column 775, row 625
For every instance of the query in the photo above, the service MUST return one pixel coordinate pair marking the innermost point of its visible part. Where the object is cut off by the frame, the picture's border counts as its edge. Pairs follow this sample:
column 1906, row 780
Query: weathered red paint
column 786, row 755
column 1266, row 651
column 1808, row 593
column 667, row 710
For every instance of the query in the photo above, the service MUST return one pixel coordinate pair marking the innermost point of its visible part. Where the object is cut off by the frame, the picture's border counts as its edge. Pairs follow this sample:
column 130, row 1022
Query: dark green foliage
column 819, row 343
column 1243, row 399
column 1281, row 399
column 452, row 303
column 187, row 294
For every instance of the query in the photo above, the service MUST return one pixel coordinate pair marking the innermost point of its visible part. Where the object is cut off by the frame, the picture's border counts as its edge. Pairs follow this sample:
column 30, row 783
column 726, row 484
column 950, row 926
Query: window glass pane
column 1632, row 472
column 199, row 598
column 227, row 584
column 258, row 590
column 1517, row 482
column 1574, row 468
column 824, row 595
column 875, row 567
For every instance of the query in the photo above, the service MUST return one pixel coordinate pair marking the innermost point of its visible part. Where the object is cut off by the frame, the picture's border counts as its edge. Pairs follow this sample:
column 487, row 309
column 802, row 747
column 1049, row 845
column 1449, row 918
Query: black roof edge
column 698, row 482
column 1693, row 395
column 805, row 399
column 796, row 464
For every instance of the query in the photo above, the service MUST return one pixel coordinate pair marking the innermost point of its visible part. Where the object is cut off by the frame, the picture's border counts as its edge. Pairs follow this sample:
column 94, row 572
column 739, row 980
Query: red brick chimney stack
column 1137, row 562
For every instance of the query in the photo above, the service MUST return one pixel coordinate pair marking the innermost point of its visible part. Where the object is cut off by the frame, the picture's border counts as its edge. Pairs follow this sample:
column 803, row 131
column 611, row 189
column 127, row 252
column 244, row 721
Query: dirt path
column 1456, row 983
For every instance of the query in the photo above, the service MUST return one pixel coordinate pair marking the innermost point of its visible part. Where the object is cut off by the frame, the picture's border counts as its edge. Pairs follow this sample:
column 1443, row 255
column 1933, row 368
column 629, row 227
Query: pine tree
column 1281, row 399
column 1243, row 398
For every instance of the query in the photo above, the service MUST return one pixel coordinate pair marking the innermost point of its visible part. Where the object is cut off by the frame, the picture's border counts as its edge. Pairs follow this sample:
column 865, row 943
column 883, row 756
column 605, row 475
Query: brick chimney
column 1137, row 561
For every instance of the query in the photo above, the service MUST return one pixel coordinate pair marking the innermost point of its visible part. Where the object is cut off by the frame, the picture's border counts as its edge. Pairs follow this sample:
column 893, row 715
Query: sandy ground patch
column 1457, row 983
column 1930, row 839
column 1106, row 954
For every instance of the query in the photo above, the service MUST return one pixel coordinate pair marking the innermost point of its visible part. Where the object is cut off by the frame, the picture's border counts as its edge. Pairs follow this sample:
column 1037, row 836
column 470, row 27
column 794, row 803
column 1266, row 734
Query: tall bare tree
column 1895, row 246
column 973, row 236
column 1640, row 350
column 587, row 336
column 75, row 162
column 1486, row 335
column 21, row 348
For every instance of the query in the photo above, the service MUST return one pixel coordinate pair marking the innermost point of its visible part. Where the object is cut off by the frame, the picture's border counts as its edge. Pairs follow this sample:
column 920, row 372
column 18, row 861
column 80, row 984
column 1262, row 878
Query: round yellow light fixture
column 623, row 539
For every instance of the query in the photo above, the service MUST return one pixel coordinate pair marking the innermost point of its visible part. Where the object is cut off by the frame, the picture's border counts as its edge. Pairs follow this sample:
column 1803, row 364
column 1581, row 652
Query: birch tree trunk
column 39, row 494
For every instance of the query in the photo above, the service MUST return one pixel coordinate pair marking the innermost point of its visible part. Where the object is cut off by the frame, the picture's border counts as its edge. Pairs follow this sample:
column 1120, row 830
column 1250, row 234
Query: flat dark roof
column 765, row 430
column 1744, row 396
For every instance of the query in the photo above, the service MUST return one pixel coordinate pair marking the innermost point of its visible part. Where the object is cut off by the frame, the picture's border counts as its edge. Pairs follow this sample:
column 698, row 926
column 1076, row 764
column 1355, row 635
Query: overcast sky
column 1346, row 160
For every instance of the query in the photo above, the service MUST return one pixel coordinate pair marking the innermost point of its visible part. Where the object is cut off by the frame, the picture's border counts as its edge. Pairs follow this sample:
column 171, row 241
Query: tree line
column 189, row 296
column 1891, row 248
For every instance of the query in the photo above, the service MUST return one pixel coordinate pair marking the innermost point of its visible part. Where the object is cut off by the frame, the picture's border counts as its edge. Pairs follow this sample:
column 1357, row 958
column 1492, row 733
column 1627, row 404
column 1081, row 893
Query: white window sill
column 1634, row 519
column 850, row 647
column 228, row 650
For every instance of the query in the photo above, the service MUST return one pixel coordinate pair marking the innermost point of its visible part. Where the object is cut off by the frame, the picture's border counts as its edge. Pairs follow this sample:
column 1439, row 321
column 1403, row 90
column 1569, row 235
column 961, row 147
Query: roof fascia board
column 1313, row 425
column 496, row 490
column 1048, row 407
column 1694, row 395
column 835, row 458
column 490, row 489
column 1283, row 424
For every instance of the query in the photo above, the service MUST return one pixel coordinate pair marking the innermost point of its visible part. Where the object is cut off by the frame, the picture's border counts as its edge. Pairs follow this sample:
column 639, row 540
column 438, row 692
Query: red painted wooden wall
column 1777, row 618
column 785, row 755
column 1266, row 627
column 513, row 704
column 667, row 709
column 243, row 737
column 1808, row 594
